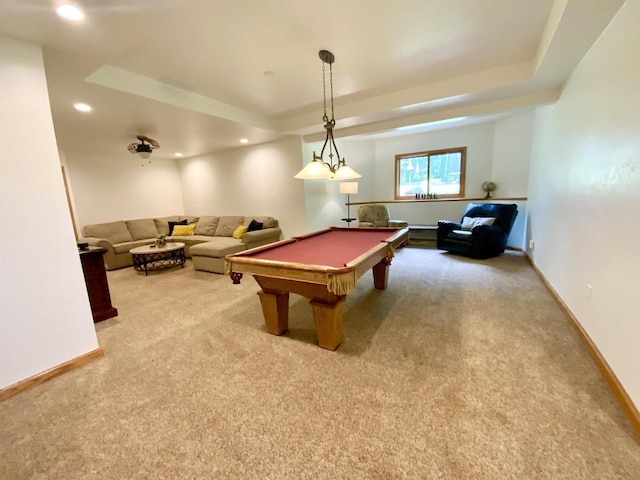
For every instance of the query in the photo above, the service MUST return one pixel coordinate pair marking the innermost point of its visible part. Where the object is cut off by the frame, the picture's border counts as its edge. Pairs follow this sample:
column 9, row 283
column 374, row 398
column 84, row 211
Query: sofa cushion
column 114, row 232
column 127, row 246
column 207, row 226
column 267, row 222
column 190, row 238
column 143, row 228
column 162, row 223
column 173, row 224
column 189, row 218
column 184, row 230
column 217, row 248
column 227, row 225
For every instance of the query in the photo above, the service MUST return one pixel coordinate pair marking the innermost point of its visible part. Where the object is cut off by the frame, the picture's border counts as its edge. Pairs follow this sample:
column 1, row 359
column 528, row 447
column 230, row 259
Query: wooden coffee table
column 150, row 257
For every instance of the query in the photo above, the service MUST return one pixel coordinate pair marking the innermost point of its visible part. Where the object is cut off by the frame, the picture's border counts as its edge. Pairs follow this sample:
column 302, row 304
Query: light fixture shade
column 144, row 155
column 345, row 173
column 314, row 170
column 349, row 187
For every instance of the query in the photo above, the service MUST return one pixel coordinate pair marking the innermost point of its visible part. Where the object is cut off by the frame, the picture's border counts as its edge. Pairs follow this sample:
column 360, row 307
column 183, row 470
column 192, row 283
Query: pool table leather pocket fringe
column 341, row 284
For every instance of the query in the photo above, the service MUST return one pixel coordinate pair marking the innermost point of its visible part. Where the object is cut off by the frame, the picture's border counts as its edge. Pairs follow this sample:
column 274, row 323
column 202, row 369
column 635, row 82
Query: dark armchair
column 482, row 232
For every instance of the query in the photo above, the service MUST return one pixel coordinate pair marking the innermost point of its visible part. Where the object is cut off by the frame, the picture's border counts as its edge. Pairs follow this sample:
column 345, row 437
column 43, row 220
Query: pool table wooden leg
column 381, row 274
column 328, row 319
column 275, row 308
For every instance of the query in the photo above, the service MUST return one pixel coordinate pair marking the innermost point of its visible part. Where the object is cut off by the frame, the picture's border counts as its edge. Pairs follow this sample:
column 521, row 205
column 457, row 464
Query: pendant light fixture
column 318, row 167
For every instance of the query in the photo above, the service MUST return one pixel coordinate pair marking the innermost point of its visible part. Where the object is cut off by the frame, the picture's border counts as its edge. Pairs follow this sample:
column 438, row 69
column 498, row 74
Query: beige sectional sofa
column 211, row 241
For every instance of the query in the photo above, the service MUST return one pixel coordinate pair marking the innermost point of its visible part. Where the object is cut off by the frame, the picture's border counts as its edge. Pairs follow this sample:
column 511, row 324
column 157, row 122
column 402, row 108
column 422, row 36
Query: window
column 438, row 172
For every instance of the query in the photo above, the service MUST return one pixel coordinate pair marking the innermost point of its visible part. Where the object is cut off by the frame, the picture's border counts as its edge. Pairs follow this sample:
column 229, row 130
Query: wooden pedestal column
column 328, row 320
column 95, row 278
column 275, row 308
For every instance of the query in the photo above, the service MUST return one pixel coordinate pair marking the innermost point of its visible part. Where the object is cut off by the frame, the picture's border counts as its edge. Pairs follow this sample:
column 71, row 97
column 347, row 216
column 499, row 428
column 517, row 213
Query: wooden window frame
column 428, row 153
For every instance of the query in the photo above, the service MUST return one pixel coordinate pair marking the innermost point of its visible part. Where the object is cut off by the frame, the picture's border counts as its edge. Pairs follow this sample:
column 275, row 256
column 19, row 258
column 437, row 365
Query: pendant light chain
column 324, row 93
column 331, row 80
column 326, row 118
column 332, row 144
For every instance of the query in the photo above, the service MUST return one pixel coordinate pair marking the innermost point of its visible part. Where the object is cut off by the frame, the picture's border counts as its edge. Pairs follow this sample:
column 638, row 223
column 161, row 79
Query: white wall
column 479, row 142
column 255, row 180
column 512, row 144
column 477, row 138
column 109, row 187
column 45, row 318
column 375, row 161
column 584, row 195
column 513, row 137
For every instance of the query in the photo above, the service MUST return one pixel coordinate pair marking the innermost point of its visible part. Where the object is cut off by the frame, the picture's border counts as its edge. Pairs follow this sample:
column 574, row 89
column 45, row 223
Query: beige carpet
column 461, row 369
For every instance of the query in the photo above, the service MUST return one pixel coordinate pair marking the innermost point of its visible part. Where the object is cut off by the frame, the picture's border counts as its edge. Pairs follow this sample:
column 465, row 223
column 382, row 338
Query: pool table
column 323, row 266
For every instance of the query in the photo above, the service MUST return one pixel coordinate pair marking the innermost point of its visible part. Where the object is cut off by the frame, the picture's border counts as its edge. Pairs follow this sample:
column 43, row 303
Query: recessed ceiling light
column 82, row 107
column 244, row 140
column 70, row 12
column 178, row 154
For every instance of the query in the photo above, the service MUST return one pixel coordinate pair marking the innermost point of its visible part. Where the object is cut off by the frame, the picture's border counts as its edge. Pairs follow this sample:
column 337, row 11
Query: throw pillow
column 184, row 230
column 254, row 225
column 239, row 232
column 267, row 222
column 173, row 224
column 468, row 223
column 162, row 223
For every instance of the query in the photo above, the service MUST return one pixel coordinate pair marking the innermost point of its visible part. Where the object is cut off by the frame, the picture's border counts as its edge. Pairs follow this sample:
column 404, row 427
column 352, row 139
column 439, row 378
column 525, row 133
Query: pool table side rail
column 241, row 258
column 339, row 280
column 259, row 266
column 276, row 268
column 263, row 248
column 286, row 241
column 280, row 243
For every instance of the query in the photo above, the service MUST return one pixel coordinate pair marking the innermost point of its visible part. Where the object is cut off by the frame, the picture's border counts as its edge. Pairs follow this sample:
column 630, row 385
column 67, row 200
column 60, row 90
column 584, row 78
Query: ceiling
column 199, row 75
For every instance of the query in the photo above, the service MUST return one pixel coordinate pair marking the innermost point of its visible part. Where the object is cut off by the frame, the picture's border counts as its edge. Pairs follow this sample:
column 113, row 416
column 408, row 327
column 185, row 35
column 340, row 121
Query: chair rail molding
column 437, row 200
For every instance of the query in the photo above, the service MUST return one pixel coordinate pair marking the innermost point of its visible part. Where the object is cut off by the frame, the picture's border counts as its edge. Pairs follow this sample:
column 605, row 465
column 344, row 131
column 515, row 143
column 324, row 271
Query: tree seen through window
column 438, row 172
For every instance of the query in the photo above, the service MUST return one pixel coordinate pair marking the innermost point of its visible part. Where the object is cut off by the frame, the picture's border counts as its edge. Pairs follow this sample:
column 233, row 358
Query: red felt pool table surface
column 333, row 248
